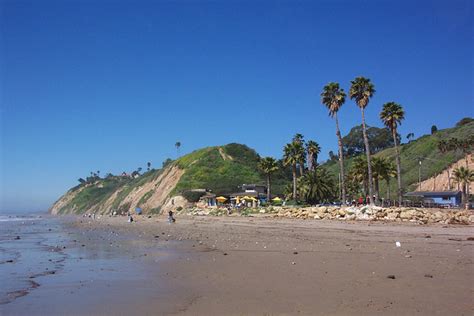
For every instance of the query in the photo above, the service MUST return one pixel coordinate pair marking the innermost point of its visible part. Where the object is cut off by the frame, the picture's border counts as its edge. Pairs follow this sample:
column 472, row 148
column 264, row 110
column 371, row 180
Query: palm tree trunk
column 301, row 169
column 310, row 162
column 367, row 152
column 388, row 189
column 399, row 167
column 341, row 159
column 268, row 189
column 294, row 183
column 377, row 191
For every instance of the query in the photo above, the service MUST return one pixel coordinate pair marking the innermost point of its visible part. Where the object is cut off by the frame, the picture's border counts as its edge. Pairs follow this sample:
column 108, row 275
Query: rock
column 391, row 276
column 225, row 253
column 470, row 238
column 428, row 276
column 295, row 252
column 427, row 236
column 17, row 238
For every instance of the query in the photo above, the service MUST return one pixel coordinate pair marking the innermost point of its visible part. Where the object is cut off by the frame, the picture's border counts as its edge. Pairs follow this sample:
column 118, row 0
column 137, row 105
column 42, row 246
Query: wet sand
column 261, row 266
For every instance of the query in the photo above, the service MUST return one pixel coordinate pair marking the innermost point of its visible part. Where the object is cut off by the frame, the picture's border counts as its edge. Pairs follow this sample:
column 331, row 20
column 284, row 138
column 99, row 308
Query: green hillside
column 221, row 169
column 426, row 148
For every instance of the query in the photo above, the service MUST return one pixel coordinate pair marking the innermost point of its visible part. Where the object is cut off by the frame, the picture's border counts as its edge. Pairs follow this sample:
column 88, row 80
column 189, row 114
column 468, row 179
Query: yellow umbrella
column 221, row 199
column 252, row 199
column 246, row 198
column 276, row 199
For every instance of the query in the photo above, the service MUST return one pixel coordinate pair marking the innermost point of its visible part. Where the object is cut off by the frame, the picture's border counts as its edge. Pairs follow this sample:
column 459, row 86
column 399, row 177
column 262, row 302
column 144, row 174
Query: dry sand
column 265, row 266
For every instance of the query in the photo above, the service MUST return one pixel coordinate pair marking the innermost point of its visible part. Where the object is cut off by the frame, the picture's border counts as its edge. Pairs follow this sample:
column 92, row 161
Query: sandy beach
column 258, row 266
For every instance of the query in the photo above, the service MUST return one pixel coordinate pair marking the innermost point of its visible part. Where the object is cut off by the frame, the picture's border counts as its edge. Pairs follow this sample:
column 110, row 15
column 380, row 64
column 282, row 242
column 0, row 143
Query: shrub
column 193, row 196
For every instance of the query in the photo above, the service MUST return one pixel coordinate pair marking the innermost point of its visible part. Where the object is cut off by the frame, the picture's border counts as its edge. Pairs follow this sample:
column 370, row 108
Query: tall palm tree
column 177, row 145
column 299, row 139
column 361, row 91
column 291, row 154
column 268, row 165
column 464, row 176
column 148, row 165
column 333, row 97
column 313, row 150
column 392, row 115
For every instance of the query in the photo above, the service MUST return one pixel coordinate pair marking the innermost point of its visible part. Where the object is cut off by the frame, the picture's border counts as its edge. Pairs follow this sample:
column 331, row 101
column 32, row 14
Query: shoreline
column 260, row 265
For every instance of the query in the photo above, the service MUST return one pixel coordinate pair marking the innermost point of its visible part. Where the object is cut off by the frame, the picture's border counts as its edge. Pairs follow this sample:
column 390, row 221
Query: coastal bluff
column 219, row 168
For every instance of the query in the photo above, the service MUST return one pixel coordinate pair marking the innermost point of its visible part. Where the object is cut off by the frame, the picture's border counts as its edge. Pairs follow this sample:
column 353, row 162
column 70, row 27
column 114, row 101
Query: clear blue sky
column 110, row 85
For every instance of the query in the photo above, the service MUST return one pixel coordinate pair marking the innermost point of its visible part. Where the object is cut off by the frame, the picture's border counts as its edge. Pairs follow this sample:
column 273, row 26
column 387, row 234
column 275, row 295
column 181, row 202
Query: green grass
column 145, row 197
column 426, row 148
column 207, row 169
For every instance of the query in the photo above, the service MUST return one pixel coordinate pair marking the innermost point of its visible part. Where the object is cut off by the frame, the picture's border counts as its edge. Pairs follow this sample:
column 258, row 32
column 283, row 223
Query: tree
column 268, row 165
column 410, row 137
column 81, row 180
column 177, row 145
column 392, row 115
column 379, row 139
column 361, row 91
column 148, row 166
column 313, row 150
column 333, row 97
column 299, row 139
column 317, row 186
column 381, row 171
column 464, row 176
column 434, row 129
column 291, row 154
column 391, row 172
column 139, row 169
column 358, row 172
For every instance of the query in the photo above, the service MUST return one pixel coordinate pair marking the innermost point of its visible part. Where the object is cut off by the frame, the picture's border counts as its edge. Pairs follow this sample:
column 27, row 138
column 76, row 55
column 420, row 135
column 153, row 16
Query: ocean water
column 28, row 251
column 43, row 258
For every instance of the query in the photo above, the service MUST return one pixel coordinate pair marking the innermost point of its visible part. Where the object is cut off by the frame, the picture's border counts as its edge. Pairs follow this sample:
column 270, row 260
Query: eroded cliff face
column 444, row 181
column 152, row 193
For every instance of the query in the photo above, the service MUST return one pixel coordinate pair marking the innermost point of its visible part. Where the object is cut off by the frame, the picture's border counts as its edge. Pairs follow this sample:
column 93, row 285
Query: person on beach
column 170, row 217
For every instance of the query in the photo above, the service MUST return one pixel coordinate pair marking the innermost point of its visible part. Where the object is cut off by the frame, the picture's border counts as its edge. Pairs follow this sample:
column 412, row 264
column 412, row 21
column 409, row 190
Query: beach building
column 208, row 199
column 251, row 195
column 443, row 198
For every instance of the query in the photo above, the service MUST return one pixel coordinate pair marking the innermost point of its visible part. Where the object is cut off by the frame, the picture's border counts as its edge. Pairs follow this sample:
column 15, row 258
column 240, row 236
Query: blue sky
column 110, row 85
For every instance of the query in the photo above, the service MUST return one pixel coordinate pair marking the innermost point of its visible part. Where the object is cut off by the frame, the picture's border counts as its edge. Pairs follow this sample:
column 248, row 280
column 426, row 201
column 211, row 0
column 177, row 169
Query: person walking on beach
column 170, row 217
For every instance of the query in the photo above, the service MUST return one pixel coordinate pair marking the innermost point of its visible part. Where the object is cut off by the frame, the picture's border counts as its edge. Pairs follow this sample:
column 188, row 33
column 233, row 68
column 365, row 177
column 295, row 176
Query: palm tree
column 379, row 169
column 177, row 145
column 291, row 154
column 148, row 165
column 361, row 91
column 268, row 165
column 317, row 186
column 333, row 97
column 392, row 115
column 358, row 172
column 299, row 139
column 464, row 176
column 391, row 172
column 313, row 150
column 410, row 136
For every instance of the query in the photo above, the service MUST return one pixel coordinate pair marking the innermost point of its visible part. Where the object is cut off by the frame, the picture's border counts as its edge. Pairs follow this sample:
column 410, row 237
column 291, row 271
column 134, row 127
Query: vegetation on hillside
column 220, row 169
column 424, row 149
